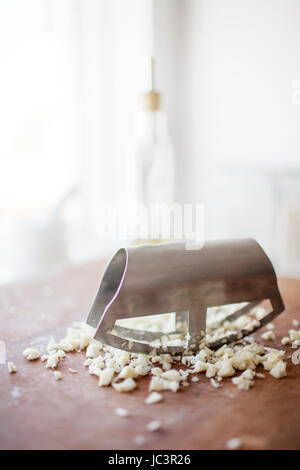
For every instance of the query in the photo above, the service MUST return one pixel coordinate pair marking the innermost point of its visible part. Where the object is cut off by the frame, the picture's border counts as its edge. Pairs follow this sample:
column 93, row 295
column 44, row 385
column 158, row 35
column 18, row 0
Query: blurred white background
column 71, row 72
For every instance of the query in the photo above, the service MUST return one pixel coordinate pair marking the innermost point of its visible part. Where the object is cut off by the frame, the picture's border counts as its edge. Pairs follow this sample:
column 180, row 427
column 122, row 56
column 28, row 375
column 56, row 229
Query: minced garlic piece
column 156, row 371
column 140, row 370
column 57, row 375
column 93, row 350
column 172, row 375
column 295, row 323
column 106, row 377
column 12, row 368
column 296, row 357
column 44, row 358
column 195, row 379
column 279, row 370
column 226, row 369
column 259, row 375
column 52, row 346
column 285, row 340
column 84, row 341
column 154, row 397
column 73, row 371
column 215, row 384
column 234, row 443
column 158, row 384
column 211, row 371
column 121, row 412
column 268, row 335
column 248, row 374
column 294, row 335
column 53, row 361
column 242, row 383
column 128, row 372
column 126, row 386
column 31, row 354
column 154, row 426
column 61, row 354
column 139, row 440
column 200, row 366
column 271, row 359
column 88, row 362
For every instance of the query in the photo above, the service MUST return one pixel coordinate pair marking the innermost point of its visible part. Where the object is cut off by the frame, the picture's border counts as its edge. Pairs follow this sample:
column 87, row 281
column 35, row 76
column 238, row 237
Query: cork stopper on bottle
column 151, row 100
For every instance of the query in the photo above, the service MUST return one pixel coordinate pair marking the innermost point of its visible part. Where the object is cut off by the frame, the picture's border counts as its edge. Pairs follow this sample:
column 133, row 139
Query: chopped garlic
column 271, row 359
column 154, row 426
column 88, row 362
column 211, row 371
column 242, row 383
column 172, row 375
column 12, row 368
column 93, row 370
column 61, row 354
column 156, row 371
column 93, row 350
column 126, row 386
column 44, row 358
column 214, row 383
column 234, row 443
column 154, row 397
column 111, row 364
column 296, row 357
column 295, row 323
column 226, row 369
column 52, row 346
column 248, row 374
column 158, row 384
column 294, row 335
column 31, row 354
column 106, row 377
column 200, row 366
column 57, row 375
column 139, row 440
column 279, row 370
column 128, row 373
column 121, row 412
column 73, row 371
column 285, row 340
column 84, row 341
column 268, row 335
column 53, row 361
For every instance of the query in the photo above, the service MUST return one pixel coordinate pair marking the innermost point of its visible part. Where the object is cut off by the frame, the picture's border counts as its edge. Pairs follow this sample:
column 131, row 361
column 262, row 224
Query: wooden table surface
column 37, row 412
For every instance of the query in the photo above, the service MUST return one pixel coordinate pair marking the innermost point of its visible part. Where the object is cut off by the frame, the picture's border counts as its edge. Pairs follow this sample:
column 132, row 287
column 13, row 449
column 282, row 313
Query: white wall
column 235, row 119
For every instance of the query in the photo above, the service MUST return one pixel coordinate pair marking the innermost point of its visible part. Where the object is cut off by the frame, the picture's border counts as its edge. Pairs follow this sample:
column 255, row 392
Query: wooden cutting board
column 37, row 412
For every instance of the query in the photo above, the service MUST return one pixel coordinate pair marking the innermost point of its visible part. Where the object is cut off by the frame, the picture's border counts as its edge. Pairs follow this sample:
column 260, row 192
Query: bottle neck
column 152, row 122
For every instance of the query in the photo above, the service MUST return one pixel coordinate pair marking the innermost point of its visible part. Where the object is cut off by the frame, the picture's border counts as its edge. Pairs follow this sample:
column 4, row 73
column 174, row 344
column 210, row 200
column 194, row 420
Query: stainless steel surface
column 156, row 279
